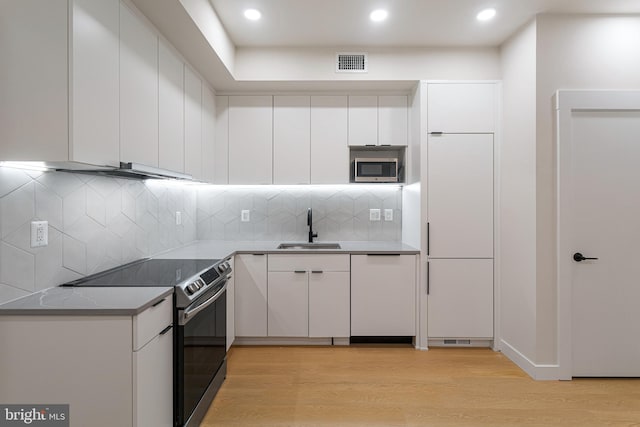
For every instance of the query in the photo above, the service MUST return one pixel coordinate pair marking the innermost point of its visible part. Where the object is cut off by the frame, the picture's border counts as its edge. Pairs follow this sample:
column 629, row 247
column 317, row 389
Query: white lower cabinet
column 383, row 295
column 288, row 296
column 329, row 304
column 112, row 370
column 460, row 302
column 153, row 382
column 308, row 296
column 250, row 271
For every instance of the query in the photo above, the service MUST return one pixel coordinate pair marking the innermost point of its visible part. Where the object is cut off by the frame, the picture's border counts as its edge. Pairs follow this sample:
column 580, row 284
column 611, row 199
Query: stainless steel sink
column 309, row 246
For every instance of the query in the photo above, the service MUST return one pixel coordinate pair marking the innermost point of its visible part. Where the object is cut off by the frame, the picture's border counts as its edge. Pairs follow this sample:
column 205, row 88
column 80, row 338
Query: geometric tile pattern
column 95, row 223
column 280, row 213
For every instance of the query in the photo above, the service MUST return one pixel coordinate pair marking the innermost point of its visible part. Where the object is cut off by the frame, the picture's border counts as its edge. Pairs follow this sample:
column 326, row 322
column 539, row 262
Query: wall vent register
column 351, row 62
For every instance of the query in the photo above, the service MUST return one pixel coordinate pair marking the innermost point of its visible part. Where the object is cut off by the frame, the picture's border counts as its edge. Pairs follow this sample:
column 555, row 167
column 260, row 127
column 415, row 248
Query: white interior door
column 602, row 220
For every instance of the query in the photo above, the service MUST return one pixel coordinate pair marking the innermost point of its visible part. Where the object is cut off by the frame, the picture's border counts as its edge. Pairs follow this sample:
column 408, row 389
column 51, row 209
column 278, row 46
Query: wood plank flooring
column 400, row 386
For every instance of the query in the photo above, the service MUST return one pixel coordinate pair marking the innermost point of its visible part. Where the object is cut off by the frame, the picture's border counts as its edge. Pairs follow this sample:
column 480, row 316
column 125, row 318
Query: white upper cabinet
column 363, row 120
column 208, row 134
column 291, row 139
column 171, row 110
column 138, row 90
column 192, row 123
column 95, row 81
column 250, row 139
column 378, row 120
column 221, row 155
column 461, row 107
column 460, row 195
column 59, row 89
column 393, row 120
column 329, row 147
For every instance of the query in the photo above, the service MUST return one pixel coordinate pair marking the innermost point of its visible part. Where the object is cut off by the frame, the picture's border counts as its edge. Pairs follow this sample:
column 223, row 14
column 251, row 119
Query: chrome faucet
column 310, row 224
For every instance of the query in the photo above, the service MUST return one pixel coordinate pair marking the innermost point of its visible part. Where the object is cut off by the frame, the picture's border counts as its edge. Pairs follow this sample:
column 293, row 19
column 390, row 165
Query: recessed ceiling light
column 252, row 14
column 486, row 15
column 378, row 15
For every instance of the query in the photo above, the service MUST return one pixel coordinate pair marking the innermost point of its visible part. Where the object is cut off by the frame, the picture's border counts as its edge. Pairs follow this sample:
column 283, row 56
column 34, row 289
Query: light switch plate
column 374, row 214
column 388, row 214
column 178, row 218
column 245, row 215
column 39, row 233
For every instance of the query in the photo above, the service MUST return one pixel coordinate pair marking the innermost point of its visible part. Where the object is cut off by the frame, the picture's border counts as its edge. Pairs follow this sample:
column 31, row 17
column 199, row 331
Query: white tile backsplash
column 95, row 222
column 98, row 222
column 280, row 213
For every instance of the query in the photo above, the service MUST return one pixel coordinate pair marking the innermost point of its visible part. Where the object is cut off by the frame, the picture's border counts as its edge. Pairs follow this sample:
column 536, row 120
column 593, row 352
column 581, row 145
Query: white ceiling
column 410, row 23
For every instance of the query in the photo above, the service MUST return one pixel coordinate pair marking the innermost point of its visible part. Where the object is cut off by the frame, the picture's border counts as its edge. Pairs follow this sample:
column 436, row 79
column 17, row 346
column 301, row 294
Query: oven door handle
column 188, row 313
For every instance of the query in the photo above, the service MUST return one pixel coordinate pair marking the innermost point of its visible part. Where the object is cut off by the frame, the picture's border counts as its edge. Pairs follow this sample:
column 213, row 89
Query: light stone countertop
column 90, row 300
column 93, row 300
column 220, row 249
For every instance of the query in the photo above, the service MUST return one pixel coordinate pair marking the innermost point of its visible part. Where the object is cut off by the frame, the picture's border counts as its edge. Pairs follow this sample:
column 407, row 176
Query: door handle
column 578, row 257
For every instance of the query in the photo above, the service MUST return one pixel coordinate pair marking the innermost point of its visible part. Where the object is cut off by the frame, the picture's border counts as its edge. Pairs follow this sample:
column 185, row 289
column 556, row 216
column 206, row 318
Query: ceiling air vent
column 351, row 62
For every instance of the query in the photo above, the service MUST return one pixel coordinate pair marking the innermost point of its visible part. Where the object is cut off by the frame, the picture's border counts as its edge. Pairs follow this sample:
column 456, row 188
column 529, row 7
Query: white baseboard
column 537, row 372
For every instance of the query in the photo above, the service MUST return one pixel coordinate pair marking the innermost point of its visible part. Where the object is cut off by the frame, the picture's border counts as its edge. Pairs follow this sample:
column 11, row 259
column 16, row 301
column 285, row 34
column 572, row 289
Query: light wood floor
column 400, row 386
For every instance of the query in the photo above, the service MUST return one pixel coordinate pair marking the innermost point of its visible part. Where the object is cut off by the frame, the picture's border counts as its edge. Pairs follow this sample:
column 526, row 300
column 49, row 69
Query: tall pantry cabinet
column 458, row 186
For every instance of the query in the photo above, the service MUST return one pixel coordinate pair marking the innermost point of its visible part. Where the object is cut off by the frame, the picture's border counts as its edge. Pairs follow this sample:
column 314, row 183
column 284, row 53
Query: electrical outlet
column 178, row 218
column 374, row 214
column 245, row 215
column 39, row 233
column 388, row 214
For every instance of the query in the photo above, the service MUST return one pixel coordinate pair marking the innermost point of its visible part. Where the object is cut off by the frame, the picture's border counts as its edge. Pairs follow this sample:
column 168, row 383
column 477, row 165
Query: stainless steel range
column 199, row 318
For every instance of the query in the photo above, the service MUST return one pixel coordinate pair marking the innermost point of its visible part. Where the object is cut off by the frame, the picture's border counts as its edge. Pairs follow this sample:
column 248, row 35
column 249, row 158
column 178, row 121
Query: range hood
column 126, row 170
column 138, row 170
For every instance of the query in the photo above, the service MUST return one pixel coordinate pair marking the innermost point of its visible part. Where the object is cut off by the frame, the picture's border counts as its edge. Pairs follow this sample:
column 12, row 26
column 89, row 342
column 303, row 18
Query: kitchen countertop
column 92, row 301
column 220, row 249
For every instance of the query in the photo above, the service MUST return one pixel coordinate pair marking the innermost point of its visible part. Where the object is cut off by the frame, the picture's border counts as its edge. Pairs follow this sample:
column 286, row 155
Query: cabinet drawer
column 320, row 262
column 151, row 322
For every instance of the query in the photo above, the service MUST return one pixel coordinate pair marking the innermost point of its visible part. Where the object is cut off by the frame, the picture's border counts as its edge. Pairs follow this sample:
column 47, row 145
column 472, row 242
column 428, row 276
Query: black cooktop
column 147, row 272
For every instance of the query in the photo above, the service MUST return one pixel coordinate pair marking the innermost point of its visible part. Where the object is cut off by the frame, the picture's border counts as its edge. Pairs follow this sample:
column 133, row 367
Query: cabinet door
column 461, row 107
column 329, row 304
column 34, row 91
column 329, row 147
column 95, row 136
column 288, row 299
column 363, row 120
column 250, row 139
column 250, row 295
column 171, row 107
column 393, row 120
column 291, row 139
column 221, row 155
column 153, row 382
column 460, row 196
column 138, row 90
column 192, row 123
column 208, row 134
column 383, row 295
column 460, row 301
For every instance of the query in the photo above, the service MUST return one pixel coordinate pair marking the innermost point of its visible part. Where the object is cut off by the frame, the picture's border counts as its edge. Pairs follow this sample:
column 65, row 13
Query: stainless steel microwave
column 375, row 170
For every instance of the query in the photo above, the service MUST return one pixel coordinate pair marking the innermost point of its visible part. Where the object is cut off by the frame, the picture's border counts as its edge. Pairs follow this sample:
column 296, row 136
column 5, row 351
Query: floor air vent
column 351, row 62
column 457, row 342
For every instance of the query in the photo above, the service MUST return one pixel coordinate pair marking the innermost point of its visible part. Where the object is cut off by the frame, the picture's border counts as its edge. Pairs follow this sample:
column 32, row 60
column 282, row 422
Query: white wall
column 517, row 193
column 574, row 52
column 295, row 64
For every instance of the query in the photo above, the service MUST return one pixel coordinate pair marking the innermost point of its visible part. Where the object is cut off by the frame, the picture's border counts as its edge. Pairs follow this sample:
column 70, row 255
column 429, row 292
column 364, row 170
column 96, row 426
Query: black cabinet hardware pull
column 167, row 329
column 578, row 257
column 300, row 271
column 317, row 271
column 159, row 302
column 428, row 281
